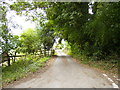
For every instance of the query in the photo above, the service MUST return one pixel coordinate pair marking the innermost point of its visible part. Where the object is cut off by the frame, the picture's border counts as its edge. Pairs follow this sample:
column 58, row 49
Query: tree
column 5, row 34
column 46, row 34
column 28, row 41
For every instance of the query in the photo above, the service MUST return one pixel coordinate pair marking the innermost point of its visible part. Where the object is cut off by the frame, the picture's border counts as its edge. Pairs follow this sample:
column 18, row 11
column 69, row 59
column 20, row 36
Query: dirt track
column 66, row 73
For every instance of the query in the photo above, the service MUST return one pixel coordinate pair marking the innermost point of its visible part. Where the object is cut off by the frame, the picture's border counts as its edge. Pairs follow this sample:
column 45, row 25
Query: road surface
column 66, row 73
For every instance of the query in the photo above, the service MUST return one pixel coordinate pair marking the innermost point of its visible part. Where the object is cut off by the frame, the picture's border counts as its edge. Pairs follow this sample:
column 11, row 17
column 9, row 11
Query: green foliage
column 67, row 18
column 102, row 32
column 33, row 40
column 8, row 41
column 109, row 64
column 20, row 6
column 4, row 32
column 29, row 41
column 46, row 35
column 95, row 35
column 21, row 68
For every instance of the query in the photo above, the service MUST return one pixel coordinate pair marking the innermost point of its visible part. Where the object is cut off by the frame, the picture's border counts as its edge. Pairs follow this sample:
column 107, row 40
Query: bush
column 21, row 68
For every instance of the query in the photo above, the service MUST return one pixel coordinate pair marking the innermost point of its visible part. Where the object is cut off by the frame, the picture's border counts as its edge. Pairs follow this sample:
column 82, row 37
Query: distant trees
column 33, row 40
column 47, row 36
column 40, row 38
column 28, row 40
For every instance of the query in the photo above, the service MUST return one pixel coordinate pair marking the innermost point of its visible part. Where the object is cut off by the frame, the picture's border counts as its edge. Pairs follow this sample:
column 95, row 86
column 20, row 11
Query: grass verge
column 21, row 67
column 110, row 64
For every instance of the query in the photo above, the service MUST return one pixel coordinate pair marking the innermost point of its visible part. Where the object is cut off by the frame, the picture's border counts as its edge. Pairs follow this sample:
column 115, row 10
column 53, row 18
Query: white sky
column 20, row 20
column 17, row 19
column 25, row 25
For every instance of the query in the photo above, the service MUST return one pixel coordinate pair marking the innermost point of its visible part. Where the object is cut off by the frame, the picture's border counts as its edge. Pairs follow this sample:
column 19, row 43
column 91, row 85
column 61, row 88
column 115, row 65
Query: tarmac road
column 66, row 73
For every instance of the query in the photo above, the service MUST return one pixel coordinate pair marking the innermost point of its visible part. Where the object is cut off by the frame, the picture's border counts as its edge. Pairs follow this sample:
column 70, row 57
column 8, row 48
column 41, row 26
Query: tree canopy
column 94, row 34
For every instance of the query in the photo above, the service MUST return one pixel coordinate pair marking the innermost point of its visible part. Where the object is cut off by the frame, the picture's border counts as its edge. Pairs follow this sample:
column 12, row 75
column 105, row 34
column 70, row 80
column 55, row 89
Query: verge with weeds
column 109, row 64
column 21, row 67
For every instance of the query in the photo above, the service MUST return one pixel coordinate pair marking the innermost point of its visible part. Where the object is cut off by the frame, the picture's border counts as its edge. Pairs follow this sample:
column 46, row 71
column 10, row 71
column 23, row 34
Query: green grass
column 21, row 67
column 0, row 77
column 110, row 65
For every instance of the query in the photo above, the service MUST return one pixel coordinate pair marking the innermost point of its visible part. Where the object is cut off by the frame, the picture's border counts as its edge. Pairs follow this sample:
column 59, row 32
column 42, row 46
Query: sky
column 17, row 19
column 20, row 20
column 25, row 25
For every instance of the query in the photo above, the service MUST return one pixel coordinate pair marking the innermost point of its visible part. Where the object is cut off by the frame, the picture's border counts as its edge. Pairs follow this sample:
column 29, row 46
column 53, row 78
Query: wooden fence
column 8, row 58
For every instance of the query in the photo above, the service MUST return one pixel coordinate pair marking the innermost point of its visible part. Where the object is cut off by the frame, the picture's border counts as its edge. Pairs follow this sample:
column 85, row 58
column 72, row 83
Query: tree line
column 93, row 35
column 30, row 41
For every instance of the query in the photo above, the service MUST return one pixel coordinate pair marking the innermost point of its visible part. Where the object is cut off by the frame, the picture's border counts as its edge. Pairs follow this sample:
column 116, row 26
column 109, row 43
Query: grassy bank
column 109, row 64
column 21, row 67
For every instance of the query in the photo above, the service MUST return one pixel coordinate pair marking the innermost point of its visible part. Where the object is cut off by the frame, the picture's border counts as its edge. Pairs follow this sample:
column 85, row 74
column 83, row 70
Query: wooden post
column 6, row 57
column 51, row 52
column 45, row 52
column 8, row 61
column 48, row 52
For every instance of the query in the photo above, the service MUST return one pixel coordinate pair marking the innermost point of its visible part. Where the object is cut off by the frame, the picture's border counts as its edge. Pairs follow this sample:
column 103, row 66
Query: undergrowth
column 109, row 64
column 21, row 67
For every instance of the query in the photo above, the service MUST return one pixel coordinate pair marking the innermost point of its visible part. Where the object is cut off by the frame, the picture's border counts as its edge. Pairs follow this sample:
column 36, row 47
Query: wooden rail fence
column 8, row 58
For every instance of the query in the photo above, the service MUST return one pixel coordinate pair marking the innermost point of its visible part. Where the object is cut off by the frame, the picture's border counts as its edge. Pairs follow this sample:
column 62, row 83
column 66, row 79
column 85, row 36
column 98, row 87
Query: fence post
column 48, row 52
column 53, row 52
column 8, row 61
column 45, row 52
